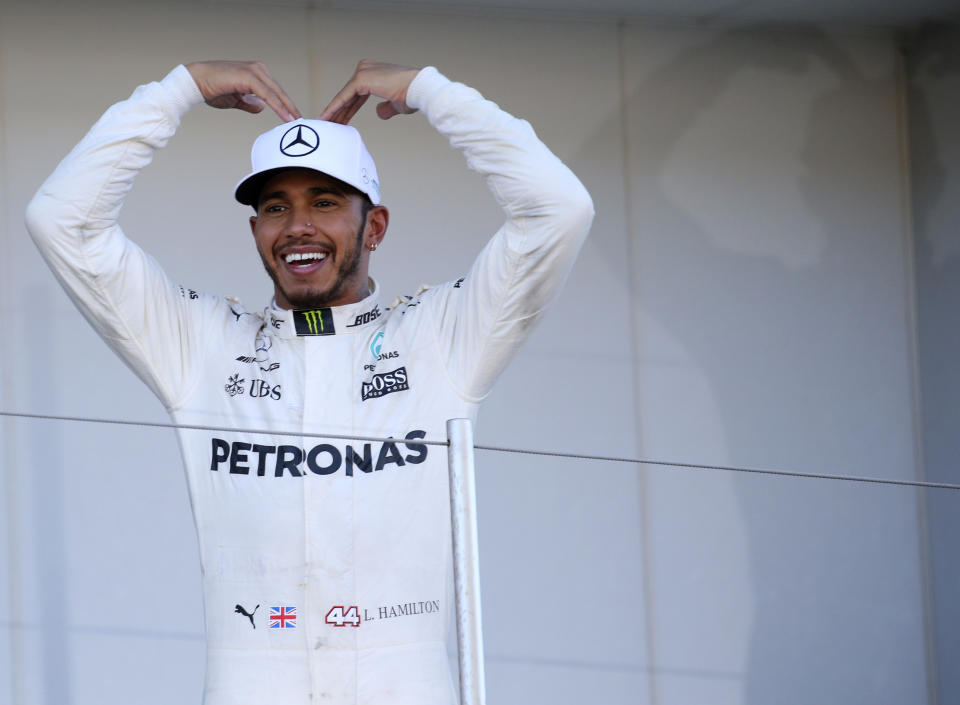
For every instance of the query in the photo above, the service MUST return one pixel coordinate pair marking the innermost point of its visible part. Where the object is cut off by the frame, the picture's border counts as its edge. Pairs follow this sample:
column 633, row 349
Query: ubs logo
column 234, row 385
column 299, row 141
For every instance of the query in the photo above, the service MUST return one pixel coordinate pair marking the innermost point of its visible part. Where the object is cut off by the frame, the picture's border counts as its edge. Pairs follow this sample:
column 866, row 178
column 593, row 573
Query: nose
column 301, row 225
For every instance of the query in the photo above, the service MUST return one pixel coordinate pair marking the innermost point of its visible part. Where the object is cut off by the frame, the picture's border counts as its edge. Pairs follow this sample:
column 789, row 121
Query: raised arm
column 482, row 320
column 73, row 217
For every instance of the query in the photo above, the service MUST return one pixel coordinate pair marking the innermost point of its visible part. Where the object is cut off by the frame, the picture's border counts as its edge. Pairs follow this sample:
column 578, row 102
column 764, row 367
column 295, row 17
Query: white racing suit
column 326, row 562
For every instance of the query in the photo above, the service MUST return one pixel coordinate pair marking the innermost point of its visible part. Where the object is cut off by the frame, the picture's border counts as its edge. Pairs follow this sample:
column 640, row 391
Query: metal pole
column 466, row 566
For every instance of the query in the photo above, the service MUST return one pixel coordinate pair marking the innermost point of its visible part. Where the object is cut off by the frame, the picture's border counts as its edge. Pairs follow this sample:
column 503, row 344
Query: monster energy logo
column 314, row 319
column 314, row 322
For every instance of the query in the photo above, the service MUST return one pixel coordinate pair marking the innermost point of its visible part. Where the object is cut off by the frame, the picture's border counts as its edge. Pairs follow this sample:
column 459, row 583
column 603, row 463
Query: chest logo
column 234, row 385
column 314, row 321
column 384, row 384
column 364, row 318
column 377, row 353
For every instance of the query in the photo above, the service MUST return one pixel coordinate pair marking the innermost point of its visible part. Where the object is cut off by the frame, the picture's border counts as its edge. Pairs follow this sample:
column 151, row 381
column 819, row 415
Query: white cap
column 329, row 147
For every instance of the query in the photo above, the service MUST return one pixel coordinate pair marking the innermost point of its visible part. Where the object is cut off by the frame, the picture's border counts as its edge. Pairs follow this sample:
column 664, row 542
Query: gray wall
column 935, row 137
column 745, row 298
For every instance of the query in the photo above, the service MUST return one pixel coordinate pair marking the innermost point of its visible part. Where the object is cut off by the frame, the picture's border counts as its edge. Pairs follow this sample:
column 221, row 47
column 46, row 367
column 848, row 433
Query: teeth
column 304, row 257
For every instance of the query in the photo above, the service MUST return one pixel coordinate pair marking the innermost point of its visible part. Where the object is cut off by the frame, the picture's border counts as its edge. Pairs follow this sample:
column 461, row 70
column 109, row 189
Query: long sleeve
column 73, row 217
column 482, row 320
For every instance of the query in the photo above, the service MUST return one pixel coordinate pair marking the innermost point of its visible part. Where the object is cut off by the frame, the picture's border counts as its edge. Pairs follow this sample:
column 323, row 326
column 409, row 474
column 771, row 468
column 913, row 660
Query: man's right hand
column 244, row 85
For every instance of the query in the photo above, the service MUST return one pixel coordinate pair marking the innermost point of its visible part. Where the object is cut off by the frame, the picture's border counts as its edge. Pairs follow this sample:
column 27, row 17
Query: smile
column 303, row 259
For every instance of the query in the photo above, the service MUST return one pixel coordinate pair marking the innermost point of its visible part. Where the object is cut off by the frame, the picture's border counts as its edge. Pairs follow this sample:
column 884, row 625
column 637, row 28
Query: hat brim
column 248, row 190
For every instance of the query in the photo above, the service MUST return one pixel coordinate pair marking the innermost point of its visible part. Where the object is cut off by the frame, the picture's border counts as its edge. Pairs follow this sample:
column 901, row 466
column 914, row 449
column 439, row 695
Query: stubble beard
column 318, row 298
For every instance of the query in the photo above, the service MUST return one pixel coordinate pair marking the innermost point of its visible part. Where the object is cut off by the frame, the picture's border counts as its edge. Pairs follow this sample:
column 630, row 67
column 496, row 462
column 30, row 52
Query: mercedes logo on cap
column 299, row 141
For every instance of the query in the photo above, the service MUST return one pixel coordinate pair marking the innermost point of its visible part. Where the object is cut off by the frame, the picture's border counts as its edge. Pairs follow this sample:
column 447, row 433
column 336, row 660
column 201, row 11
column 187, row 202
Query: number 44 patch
column 340, row 616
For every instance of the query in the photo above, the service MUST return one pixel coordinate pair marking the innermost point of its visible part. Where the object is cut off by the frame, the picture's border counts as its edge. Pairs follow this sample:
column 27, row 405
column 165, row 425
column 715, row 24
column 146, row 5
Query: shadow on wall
column 772, row 336
column 934, row 76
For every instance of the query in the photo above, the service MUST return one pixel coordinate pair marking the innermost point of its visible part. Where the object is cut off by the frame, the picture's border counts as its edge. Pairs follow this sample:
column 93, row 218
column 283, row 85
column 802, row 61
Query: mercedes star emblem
column 299, row 141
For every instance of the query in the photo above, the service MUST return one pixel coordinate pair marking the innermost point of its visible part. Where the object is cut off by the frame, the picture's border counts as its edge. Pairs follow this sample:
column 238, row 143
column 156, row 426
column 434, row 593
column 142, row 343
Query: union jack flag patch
column 283, row 617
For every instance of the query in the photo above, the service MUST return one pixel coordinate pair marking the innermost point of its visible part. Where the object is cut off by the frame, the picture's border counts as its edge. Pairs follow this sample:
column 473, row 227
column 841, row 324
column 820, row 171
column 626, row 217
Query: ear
column 253, row 225
column 378, row 218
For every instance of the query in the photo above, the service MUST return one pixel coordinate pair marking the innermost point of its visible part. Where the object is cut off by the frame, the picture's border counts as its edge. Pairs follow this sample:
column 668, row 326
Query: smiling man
column 344, row 543
column 315, row 189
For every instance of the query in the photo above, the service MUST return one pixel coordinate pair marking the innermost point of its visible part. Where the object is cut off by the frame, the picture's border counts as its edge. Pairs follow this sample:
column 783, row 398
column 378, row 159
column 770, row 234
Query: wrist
column 422, row 85
column 183, row 88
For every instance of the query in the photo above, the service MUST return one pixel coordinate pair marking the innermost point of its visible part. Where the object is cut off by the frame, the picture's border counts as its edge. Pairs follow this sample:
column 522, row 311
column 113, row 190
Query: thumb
column 252, row 103
column 385, row 110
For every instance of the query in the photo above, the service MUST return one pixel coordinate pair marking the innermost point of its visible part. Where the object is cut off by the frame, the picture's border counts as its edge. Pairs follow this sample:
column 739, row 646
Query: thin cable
column 728, row 468
column 496, row 449
column 225, row 429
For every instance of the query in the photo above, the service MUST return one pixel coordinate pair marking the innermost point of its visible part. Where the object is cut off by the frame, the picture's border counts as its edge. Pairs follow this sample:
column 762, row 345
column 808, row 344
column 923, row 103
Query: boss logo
column 385, row 383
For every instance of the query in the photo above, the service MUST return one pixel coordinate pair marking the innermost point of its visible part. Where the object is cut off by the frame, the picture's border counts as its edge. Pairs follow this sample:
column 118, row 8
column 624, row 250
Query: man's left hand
column 387, row 81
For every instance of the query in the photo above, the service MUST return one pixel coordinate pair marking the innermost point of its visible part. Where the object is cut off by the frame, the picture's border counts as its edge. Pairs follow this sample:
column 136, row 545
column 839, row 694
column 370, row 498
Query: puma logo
column 249, row 615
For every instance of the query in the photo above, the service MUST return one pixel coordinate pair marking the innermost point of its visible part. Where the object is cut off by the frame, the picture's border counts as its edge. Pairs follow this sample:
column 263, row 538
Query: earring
column 372, row 246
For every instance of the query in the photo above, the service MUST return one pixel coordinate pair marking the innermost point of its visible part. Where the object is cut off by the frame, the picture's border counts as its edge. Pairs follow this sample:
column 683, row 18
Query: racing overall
column 326, row 562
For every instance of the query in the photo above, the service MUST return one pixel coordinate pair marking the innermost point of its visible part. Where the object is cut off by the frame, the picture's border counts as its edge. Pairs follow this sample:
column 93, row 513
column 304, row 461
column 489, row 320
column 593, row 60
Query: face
column 313, row 239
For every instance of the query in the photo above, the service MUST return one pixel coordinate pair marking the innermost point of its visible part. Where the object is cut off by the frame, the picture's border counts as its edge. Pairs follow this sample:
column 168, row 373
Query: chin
column 310, row 298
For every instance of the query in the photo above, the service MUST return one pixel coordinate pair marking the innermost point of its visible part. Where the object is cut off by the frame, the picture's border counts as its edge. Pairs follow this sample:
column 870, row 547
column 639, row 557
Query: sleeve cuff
column 183, row 89
column 425, row 83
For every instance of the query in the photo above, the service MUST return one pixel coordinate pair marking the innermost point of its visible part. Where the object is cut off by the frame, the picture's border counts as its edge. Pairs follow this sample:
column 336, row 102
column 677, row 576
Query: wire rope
column 497, row 449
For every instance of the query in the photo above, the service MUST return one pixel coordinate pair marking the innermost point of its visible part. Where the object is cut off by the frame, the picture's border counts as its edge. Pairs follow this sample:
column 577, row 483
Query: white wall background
column 745, row 298
column 935, row 136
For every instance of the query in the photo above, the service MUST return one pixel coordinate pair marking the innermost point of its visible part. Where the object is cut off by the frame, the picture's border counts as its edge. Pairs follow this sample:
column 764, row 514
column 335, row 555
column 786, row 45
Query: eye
column 324, row 203
column 273, row 208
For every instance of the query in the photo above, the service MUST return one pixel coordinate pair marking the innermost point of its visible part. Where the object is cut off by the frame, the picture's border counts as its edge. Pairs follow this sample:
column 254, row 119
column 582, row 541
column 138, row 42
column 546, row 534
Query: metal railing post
column 466, row 565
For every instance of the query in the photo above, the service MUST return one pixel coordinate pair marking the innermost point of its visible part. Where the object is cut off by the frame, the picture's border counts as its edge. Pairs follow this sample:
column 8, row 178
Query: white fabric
column 306, row 523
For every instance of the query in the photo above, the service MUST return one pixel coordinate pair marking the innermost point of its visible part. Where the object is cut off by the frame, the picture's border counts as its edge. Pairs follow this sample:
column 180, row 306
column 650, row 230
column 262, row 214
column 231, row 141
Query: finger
column 247, row 108
column 271, row 98
column 277, row 90
column 252, row 103
column 385, row 110
column 339, row 109
column 282, row 104
column 345, row 115
column 347, row 108
column 337, row 104
column 257, row 81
